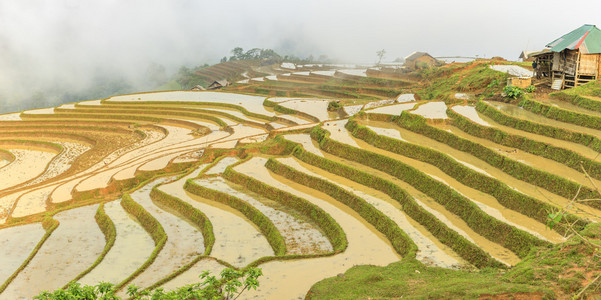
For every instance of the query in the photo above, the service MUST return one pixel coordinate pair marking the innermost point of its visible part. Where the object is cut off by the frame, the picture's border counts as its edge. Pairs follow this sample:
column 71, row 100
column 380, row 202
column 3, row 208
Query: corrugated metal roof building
column 574, row 58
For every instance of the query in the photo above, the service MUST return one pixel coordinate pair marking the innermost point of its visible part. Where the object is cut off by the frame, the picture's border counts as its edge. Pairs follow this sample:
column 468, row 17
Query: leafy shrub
column 530, row 89
column 334, row 105
column 513, row 92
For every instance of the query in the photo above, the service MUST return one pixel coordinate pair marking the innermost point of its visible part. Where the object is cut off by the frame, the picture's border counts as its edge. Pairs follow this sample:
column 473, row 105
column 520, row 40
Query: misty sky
column 45, row 43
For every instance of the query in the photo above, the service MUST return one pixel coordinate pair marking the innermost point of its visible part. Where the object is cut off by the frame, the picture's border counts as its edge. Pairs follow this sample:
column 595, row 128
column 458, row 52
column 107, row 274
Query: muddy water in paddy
column 514, row 183
column 569, row 106
column 237, row 241
column 17, row 243
column 306, row 141
column 339, row 133
column 521, row 113
column 430, row 250
column 221, row 165
column 71, row 248
column 395, row 109
column 470, row 113
column 492, row 248
column 300, row 237
column 432, row 110
column 316, row 108
column 132, row 248
column 28, row 164
column 184, row 241
column 32, row 202
column 251, row 103
column 487, row 202
column 535, row 161
column 292, row 279
column 295, row 119
column 578, row 148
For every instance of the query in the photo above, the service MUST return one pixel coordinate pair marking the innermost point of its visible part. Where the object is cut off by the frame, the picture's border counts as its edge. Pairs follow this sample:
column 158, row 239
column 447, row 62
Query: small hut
column 573, row 59
column 527, row 55
column 420, row 60
column 217, row 84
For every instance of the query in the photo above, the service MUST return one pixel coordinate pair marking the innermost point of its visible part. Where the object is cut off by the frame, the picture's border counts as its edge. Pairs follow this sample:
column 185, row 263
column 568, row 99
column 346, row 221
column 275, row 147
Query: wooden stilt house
column 574, row 59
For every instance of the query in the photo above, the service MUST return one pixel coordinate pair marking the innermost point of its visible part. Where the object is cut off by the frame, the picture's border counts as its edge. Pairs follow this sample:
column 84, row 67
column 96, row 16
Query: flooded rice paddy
column 33, row 181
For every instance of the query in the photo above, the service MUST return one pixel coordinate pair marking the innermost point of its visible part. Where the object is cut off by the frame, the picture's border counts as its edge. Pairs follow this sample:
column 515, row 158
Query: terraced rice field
column 152, row 189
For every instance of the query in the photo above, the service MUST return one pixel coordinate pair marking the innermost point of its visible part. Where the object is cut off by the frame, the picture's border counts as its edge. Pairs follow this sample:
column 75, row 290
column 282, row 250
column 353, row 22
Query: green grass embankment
column 150, row 225
column 329, row 226
column 507, row 196
column 516, row 240
column 268, row 229
column 49, row 224
column 545, row 130
column 400, row 241
column 463, row 247
column 107, row 227
column 560, row 155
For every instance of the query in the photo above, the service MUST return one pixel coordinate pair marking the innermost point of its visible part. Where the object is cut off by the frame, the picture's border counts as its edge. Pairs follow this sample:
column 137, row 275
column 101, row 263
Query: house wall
column 589, row 64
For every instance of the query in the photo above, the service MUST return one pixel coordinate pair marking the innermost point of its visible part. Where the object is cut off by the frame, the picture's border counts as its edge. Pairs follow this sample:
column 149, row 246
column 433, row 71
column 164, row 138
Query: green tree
column 229, row 287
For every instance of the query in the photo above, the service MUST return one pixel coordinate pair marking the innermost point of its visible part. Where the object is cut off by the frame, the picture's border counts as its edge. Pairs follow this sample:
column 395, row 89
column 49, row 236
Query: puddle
column 395, row 109
column 470, row 113
column 306, row 141
column 432, row 110
column 132, row 248
column 72, row 247
column 17, row 243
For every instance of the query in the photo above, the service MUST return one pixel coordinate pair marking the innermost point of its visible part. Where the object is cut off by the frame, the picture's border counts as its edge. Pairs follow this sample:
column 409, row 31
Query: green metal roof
column 587, row 38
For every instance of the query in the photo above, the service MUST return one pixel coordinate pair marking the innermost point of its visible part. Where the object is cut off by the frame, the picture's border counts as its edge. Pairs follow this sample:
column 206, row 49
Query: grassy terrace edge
column 504, row 194
column 466, row 249
column 154, row 229
column 561, row 186
column 49, row 224
column 400, row 241
column 514, row 239
column 330, row 227
column 502, row 118
column 109, row 231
